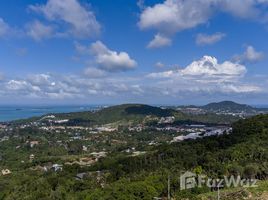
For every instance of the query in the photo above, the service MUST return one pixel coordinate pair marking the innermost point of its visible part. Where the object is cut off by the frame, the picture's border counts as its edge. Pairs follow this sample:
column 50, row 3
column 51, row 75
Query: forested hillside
column 243, row 152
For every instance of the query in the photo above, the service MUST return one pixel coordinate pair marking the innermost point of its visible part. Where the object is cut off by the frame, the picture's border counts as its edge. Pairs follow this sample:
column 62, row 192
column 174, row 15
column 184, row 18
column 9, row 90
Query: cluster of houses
column 166, row 120
column 3, row 126
column 191, row 110
column 88, row 160
column 4, row 138
column 204, row 132
column 48, row 167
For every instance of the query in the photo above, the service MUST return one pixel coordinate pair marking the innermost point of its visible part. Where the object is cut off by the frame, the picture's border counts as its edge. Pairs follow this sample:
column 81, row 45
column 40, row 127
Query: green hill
column 229, row 106
column 244, row 152
column 137, row 113
column 133, row 113
column 125, row 112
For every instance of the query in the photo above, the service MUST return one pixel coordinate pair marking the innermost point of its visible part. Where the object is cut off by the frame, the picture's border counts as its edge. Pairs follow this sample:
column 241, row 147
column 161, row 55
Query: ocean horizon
column 16, row 112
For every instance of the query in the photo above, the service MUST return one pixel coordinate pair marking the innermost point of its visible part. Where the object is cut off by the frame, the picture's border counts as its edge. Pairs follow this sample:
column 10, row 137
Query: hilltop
column 124, row 112
column 229, row 106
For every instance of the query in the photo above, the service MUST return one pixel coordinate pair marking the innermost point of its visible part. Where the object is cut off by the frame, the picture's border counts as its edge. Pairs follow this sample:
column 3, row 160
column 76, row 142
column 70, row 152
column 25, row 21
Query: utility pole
column 218, row 195
column 169, row 187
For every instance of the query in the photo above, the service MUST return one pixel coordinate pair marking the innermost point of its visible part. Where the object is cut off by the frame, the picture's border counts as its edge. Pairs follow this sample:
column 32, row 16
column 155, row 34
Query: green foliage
column 244, row 152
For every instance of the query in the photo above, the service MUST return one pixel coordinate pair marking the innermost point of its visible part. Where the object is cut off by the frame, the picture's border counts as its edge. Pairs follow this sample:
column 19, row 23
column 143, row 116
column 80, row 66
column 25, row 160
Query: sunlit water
column 9, row 113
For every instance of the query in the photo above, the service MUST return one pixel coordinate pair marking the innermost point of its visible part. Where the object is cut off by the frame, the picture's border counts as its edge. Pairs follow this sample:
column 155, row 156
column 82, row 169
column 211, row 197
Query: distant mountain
column 229, row 106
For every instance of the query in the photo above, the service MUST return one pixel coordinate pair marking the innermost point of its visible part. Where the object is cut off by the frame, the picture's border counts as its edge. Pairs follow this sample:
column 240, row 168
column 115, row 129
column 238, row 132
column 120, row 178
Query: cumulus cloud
column 204, row 39
column 159, row 41
column 207, row 67
column 93, row 72
column 204, row 76
column 247, row 9
column 173, row 16
column 40, row 79
column 81, row 21
column 109, row 60
column 52, row 86
column 21, row 88
column 250, row 55
column 38, row 30
column 172, row 84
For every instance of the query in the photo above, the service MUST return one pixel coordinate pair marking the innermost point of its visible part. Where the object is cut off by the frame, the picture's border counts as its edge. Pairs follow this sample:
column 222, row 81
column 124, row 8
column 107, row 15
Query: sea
column 10, row 113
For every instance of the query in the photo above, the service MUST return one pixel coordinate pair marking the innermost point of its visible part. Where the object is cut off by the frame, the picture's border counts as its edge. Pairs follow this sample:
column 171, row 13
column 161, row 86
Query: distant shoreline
column 15, row 112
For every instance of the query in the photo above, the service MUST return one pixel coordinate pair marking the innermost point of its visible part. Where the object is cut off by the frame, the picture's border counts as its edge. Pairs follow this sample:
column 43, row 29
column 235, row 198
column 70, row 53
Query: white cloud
column 39, row 31
column 241, row 8
column 82, row 21
column 52, row 86
column 172, row 84
column 204, row 39
column 109, row 60
column 21, row 87
column 159, row 41
column 202, row 77
column 250, row 55
column 4, row 28
column 93, row 72
column 39, row 79
column 209, row 66
column 173, row 16
column 231, row 88
column 206, row 68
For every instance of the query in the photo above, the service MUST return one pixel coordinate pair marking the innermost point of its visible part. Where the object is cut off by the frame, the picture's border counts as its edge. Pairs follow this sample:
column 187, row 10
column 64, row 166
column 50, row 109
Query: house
column 80, row 176
column 31, row 156
column 98, row 155
column 34, row 143
column 6, row 172
column 2, row 126
column 166, row 120
column 84, row 148
column 57, row 167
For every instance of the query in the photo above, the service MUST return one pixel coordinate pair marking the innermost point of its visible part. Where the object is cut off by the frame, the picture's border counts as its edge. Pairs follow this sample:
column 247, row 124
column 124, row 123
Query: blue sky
column 151, row 51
